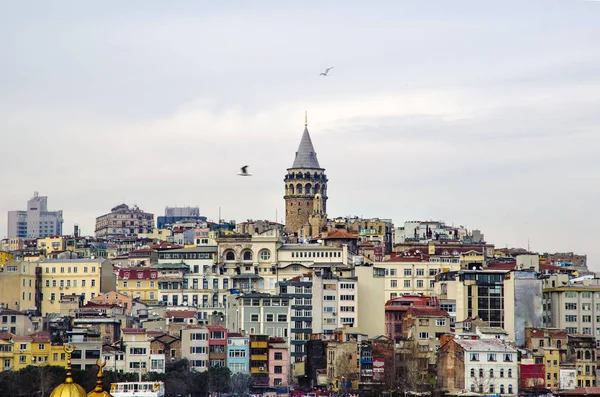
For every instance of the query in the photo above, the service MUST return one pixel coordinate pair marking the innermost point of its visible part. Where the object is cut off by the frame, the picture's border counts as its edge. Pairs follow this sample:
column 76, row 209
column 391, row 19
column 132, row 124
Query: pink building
column 279, row 363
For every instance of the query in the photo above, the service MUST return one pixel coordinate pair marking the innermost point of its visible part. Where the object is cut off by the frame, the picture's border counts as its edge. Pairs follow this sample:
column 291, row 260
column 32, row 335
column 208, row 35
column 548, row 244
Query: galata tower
column 303, row 181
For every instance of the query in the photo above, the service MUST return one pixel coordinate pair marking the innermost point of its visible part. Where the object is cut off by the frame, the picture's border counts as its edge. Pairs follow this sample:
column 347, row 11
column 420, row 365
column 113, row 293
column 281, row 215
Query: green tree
column 219, row 379
column 241, row 384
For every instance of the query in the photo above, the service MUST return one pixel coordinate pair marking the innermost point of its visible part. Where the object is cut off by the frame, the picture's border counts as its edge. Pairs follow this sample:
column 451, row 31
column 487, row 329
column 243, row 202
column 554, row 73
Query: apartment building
column 87, row 278
column 279, row 363
column 238, row 353
column 36, row 221
column 259, row 360
column 217, row 346
column 573, row 307
column 195, row 347
column 299, row 291
column 138, row 283
column 88, row 348
column 123, row 221
column 426, row 326
column 413, row 273
column 261, row 314
column 335, row 302
column 19, row 285
column 466, row 362
column 137, row 350
column 36, row 350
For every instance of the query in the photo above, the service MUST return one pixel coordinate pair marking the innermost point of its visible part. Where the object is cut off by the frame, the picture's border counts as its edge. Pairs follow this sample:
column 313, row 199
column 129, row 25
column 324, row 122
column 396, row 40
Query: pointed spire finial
column 100, row 376
column 69, row 349
column 305, row 118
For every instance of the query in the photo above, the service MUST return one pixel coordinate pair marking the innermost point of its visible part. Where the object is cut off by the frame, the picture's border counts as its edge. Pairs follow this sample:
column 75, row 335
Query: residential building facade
column 36, row 221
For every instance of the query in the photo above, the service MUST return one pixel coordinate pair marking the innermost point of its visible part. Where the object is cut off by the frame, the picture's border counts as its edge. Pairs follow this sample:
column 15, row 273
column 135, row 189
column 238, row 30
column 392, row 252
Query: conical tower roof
column 306, row 157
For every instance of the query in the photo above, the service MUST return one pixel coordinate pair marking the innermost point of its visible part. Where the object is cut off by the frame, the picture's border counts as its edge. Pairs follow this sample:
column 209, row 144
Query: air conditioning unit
column 68, row 287
column 60, row 288
column 21, row 350
column 261, row 368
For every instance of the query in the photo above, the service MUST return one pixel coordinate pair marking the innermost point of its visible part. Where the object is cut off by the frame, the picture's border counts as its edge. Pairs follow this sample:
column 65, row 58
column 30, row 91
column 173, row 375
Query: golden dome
column 69, row 388
column 99, row 390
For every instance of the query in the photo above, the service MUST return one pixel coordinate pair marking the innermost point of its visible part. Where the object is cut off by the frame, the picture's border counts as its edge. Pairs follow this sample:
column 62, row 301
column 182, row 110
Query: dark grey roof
column 306, row 157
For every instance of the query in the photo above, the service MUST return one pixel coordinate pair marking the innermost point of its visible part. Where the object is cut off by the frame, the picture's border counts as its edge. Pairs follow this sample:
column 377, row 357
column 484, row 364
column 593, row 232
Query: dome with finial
column 99, row 389
column 68, row 388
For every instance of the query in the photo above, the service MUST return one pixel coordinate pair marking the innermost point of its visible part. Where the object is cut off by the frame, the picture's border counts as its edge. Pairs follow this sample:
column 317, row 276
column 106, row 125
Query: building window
column 393, row 283
column 510, row 376
column 420, row 284
column 474, row 356
column 502, row 372
column 282, row 318
column 472, row 372
column 423, row 335
column 254, row 317
column 269, row 317
column 491, row 356
column 440, row 322
column 420, row 272
column 407, row 272
column 278, row 356
column 265, row 255
column 406, row 283
column 278, row 369
column 510, row 389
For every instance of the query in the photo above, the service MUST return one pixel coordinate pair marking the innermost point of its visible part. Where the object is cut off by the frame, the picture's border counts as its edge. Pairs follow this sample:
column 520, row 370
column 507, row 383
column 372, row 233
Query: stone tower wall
column 301, row 186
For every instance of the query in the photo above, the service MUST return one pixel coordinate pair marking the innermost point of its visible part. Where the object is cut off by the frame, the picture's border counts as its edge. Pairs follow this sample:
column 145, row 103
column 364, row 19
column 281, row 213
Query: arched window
column 229, row 256
column 579, row 354
column 491, row 372
column 265, row 255
column 481, row 372
column 473, row 387
column 291, row 189
column 510, row 389
column 307, row 175
column 317, row 189
column 307, row 188
column 558, row 344
column 502, row 372
column 299, row 175
column 492, row 388
column 501, row 389
column 298, row 189
column 510, row 376
column 299, row 211
column 472, row 372
column 316, row 176
column 588, row 355
column 247, row 255
column 323, row 190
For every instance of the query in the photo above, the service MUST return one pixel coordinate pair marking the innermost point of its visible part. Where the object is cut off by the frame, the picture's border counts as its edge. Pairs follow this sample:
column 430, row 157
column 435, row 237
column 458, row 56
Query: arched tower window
column 588, row 355
column 307, row 188
column 298, row 189
column 247, row 255
column 291, row 189
column 316, row 176
column 230, row 256
column 317, row 189
column 323, row 190
column 299, row 175
column 307, row 175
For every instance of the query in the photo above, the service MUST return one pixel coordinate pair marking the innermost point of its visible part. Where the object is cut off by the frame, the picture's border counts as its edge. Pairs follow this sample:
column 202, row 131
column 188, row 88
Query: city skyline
column 475, row 116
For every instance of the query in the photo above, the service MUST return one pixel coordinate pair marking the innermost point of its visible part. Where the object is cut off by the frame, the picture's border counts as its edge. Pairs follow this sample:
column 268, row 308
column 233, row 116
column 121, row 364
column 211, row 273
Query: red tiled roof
column 137, row 273
column 299, row 278
column 501, row 266
column 428, row 311
column 40, row 337
column 340, row 234
column 133, row 330
column 5, row 335
column 582, row 391
column 553, row 267
column 403, row 258
column 17, row 338
column 181, row 313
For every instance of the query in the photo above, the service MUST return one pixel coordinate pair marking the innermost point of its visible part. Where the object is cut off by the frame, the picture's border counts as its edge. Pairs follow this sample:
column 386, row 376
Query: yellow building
column 18, row 352
column 552, row 365
column 52, row 244
column 85, row 277
column 138, row 283
column 18, row 285
column 5, row 257
column 7, row 356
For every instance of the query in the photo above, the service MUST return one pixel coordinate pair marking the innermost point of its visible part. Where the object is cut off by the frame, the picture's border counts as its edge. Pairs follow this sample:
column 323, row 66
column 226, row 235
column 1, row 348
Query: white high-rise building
column 36, row 221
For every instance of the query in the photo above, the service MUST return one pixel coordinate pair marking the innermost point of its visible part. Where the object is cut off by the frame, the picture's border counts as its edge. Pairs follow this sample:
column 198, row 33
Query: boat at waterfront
column 137, row 389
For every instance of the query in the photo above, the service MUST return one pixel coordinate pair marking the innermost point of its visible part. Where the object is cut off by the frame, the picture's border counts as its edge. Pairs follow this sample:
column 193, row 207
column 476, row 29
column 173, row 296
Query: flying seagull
column 244, row 172
column 326, row 72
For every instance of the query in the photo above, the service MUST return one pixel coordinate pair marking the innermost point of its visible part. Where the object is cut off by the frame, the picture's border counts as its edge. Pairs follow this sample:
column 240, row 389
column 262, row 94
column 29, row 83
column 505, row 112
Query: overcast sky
column 479, row 113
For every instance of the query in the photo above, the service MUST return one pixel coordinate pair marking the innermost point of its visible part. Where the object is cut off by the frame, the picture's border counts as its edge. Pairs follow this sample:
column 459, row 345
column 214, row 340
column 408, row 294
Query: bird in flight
column 244, row 171
column 326, row 72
